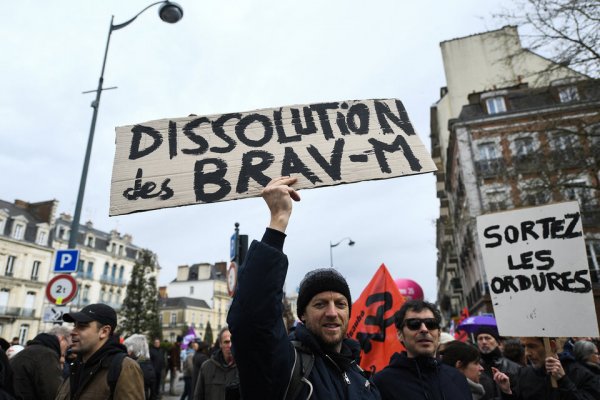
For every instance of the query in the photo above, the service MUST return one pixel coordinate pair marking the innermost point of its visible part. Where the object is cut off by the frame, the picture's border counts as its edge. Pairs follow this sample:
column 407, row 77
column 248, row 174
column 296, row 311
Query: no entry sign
column 61, row 289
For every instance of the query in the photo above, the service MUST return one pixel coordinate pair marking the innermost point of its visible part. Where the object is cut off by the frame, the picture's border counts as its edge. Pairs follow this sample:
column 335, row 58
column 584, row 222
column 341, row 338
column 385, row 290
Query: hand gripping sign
column 192, row 160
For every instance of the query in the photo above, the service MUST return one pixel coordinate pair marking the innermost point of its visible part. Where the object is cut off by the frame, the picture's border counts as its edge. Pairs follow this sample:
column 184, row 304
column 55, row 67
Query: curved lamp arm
column 332, row 245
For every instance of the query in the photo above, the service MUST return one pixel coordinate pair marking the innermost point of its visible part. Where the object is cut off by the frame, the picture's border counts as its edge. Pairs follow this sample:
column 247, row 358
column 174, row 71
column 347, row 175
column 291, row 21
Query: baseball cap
column 102, row 313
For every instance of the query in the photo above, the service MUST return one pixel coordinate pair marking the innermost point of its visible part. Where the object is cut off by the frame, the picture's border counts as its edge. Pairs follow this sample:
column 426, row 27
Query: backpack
column 114, row 371
column 303, row 363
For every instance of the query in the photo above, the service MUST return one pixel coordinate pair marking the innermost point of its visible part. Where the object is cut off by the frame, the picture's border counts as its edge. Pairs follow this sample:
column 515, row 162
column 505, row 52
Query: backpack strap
column 114, row 371
column 304, row 360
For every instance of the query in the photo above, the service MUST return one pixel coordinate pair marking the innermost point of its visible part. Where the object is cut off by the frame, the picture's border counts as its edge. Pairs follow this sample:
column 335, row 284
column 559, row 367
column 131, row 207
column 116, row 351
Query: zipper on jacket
column 346, row 378
column 344, row 375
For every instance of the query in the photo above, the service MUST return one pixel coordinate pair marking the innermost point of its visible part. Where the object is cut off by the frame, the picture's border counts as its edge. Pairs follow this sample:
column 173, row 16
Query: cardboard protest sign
column 191, row 160
column 372, row 321
column 537, row 271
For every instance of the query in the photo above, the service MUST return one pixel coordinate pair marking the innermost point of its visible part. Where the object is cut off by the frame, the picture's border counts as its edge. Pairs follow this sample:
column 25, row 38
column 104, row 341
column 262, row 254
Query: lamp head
column 170, row 12
column 351, row 242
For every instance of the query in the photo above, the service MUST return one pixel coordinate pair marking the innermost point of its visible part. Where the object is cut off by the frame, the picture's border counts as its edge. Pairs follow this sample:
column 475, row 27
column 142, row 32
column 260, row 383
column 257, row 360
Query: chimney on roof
column 21, row 204
column 89, row 224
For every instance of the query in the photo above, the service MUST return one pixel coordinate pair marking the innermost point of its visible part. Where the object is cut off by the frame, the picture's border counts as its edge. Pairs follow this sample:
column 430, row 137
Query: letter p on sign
column 66, row 261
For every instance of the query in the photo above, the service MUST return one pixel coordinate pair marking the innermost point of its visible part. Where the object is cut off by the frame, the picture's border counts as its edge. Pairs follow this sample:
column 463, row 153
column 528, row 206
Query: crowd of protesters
column 257, row 357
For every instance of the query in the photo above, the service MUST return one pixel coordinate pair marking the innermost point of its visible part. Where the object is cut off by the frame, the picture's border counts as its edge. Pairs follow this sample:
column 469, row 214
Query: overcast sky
column 228, row 56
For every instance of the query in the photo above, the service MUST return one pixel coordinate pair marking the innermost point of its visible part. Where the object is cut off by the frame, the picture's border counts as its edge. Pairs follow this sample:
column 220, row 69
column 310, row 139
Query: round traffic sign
column 231, row 278
column 61, row 289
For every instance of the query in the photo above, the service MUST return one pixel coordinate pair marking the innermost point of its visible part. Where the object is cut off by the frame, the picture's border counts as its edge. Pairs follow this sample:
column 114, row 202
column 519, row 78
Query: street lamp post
column 169, row 12
column 332, row 245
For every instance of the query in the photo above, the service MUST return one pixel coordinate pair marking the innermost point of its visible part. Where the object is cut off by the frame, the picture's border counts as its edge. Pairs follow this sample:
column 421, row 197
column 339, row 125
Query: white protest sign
column 537, row 271
column 191, row 160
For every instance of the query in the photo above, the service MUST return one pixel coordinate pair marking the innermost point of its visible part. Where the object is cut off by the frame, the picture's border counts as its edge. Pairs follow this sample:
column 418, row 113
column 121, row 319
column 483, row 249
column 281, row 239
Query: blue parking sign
column 66, row 260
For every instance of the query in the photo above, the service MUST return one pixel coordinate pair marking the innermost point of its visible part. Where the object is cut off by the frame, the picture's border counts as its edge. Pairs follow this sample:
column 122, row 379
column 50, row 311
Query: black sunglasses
column 414, row 324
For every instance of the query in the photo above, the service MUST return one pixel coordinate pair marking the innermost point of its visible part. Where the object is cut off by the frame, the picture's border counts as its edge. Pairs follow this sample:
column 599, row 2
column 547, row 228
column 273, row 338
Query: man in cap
column 270, row 365
column 488, row 342
column 93, row 342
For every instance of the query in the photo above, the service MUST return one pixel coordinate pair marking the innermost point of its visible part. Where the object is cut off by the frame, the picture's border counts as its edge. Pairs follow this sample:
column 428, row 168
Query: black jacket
column 578, row 383
column 36, row 369
column 262, row 349
column 496, row 360
column 421, row 378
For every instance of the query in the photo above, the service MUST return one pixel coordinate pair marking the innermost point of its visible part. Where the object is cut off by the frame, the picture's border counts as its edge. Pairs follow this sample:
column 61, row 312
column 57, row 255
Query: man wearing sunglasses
column 415, row 374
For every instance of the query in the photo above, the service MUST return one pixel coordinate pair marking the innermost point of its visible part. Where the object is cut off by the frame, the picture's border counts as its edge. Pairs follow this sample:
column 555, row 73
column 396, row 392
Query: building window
column 565, row 142
column 576, row 191
column 191, row 290
column 10, row 266
column 19, row 231
column 23, row 333
column 524, row 146
column 496, row 200
column 4, row 293
column 90, row 270
column 2, row 225
column 89, row 241
column 121, row 273
column 120, row 250
column 495, row 105
column 29, row 307
column 42, row 238
column 113, row 272
column 86, row 294
column 593, row 252
column 487, row 151
column 568, row 94
column 173, row 318
column 106, row 267
column 102, row 295
column 35, row 270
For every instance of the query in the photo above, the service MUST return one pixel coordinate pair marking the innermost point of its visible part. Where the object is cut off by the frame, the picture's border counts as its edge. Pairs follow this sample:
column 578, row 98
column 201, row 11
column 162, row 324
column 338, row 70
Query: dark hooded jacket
column 36, row 369
column 496, row 360
column 89, row 380
column 421, row 378
column 578, row 383
column 261, row 346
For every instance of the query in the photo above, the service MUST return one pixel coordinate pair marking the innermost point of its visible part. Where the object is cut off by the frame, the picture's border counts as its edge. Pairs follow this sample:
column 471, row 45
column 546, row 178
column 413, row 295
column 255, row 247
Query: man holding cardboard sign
column 318, row 361
column 573, row 380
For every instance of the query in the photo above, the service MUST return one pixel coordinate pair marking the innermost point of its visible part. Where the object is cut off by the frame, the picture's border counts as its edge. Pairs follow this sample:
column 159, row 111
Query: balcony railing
column 570, row 157
column 590, row 215
column 112, row 280
column 490, row 168
column 17, row 312
column 527, row 162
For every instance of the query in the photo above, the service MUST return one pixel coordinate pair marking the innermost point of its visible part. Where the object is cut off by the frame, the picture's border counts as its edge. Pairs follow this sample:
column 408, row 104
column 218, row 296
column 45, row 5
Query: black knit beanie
column 489, row 330
column 321, row 280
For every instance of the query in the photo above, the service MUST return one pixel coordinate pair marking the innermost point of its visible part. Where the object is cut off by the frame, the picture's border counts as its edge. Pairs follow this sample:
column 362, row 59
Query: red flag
column 462, row 336
column 372, row 321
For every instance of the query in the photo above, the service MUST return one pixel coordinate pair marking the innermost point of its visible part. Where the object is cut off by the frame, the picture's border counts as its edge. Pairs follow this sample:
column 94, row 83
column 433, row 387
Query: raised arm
column 261, row 348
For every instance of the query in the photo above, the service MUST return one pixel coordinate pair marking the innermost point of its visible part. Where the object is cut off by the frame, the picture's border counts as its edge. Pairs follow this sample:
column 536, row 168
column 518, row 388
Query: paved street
column 178, row 390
